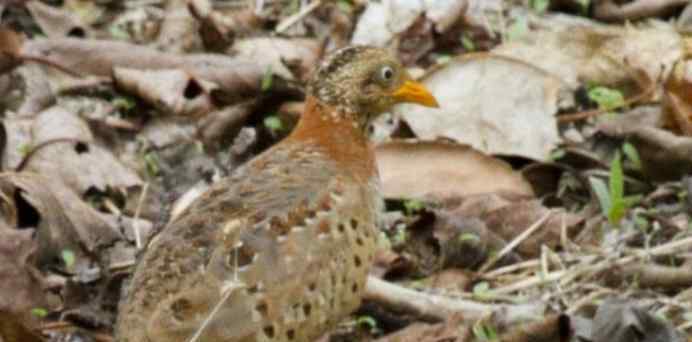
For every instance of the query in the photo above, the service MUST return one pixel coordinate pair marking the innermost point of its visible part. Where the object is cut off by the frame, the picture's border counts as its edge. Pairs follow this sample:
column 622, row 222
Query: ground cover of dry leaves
column 547, row 199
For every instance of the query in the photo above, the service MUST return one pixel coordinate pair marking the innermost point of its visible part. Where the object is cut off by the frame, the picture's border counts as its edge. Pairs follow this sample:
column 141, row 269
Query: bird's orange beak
column 415, row 92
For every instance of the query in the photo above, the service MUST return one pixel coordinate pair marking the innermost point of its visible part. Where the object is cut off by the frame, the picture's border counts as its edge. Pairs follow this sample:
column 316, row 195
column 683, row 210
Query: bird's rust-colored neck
column 340, row 135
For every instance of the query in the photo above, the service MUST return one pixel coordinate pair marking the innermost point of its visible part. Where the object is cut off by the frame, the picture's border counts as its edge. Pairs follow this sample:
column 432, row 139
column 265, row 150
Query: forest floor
column 548, row 198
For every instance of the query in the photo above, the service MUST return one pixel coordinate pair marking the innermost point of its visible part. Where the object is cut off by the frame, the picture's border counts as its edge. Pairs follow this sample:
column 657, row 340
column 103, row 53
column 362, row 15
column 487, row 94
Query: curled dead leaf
column 438, row 170
column 62, row 220
column 677, row 103
column 240, row 75
column 172, row 91
column 56, row 22
column 64, row 148
column 383, row 21
column 283, row 57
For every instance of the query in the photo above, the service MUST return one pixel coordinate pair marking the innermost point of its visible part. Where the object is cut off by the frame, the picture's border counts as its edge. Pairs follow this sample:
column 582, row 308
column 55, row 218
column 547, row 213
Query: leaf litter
column 548, row 199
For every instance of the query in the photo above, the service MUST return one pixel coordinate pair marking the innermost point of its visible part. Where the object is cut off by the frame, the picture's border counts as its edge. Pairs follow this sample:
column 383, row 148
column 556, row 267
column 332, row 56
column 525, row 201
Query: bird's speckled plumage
column 280, row 250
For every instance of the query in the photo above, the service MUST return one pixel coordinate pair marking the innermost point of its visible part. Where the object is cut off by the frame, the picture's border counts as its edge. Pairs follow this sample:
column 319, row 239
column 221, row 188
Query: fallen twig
column 428, row 305
column 519, row 239
column 292, row 20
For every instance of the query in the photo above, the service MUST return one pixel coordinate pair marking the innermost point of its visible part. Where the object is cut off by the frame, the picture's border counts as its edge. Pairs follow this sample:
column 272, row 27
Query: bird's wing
column 235, row 236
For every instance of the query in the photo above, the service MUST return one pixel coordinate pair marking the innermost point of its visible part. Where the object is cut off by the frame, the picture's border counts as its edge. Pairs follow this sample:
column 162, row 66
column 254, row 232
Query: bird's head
column 365, row 81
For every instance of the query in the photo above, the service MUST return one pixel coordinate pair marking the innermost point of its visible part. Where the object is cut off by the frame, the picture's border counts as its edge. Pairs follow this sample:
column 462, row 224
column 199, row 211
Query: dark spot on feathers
column 262, row 308
column 269, row 331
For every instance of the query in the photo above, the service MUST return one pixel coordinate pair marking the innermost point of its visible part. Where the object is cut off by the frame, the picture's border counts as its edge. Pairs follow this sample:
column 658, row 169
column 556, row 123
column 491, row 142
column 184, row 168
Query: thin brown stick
column 52, row 64
column 572, row 117
column 292, row 20
column 519, row 239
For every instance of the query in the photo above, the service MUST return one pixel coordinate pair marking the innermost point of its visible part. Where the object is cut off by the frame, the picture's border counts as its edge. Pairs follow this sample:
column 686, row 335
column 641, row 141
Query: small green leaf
column 151, row 160
column 273, row 123
column 267, row 79
column 442, row 59
column 467, row 43
column 470, row 237
column 400, row 237
column 584, row 4
column 481, row 290
column 616, row 212
column 369, row 322
column 518, row 29
column 606, row 98
column 539, row 6
column 484, row 332
column 24, row 149
column 412, row 206
column 39, row 312
column 118, row 32
column 617, row 191
column 600, row 189
column 630, row 201
column 617, row 179
column 345, row 6
column 632, row 155
column 641, row 223
column 68, row 257
column 123, row 102
column 557, row 154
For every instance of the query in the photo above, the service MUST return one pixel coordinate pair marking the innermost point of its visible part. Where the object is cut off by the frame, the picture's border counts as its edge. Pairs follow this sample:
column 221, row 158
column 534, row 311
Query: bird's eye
column 386, row 73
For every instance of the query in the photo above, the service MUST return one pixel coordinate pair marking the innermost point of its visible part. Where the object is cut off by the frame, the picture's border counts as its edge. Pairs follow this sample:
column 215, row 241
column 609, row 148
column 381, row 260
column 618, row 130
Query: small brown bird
column 280, row 250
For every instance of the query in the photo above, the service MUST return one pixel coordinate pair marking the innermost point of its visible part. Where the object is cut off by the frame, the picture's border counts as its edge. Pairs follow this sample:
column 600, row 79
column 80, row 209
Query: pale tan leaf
column 442, row 170
column 496, row 104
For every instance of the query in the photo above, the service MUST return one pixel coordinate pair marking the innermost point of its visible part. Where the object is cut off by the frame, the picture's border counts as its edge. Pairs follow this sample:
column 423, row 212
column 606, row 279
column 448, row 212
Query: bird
column 280, row 249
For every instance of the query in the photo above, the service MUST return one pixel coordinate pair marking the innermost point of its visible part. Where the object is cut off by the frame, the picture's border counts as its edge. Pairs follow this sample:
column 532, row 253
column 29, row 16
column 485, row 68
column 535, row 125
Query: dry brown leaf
column 16, row 141
column 21, row 286
column 440, row 170
column 225, row 123
column 12, row 329
column 622, row 321
column 496, row 104
column 509, row 216
column 63, row 221
column 178, row 30
column 70, row 154
column 165, row 131
column 216, row 30
column 582, row 51
column 239, row 76
column 444, row 240
column 10, row 49
column 664, row 155
column 274, row 53
column 608, row 10
column 383, row 21
column 554, row 328
column 452, row 330
column 677, row 99
column 56, row 22
column 38, row 94
column 172, row 91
